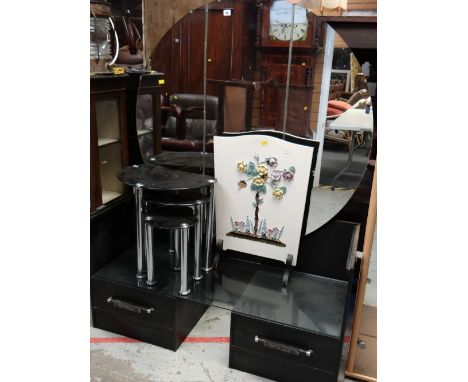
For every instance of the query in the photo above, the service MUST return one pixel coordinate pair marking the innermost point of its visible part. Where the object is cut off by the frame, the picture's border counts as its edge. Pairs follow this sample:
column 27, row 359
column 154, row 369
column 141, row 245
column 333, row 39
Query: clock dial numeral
column 282, row 32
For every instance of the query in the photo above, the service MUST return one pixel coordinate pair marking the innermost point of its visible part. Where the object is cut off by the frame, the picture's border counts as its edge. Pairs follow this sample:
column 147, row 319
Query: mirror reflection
column 144, row 124
column 246, row 66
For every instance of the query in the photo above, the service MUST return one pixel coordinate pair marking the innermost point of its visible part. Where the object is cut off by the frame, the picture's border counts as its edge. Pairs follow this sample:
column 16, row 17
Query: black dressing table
column 293, row 334
column 286, row 334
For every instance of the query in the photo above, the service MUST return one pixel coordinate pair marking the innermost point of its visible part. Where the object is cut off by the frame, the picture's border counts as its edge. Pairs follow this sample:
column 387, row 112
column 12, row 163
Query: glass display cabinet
column 109, row 150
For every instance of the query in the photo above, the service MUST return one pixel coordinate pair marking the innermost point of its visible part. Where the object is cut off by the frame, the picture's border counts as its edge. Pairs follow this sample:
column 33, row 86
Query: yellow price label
column 118, row 70
column 161, row 82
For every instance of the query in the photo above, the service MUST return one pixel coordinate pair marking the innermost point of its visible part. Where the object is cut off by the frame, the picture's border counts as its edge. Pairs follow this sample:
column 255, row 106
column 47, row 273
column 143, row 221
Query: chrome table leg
column 176, row 258
column 197, row 275
column 184, row 238
column 149, row 250
column 208, row 260
column 141, row 266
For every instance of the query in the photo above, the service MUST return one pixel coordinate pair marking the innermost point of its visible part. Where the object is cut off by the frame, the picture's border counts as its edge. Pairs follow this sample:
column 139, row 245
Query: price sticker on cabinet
column 226, row 12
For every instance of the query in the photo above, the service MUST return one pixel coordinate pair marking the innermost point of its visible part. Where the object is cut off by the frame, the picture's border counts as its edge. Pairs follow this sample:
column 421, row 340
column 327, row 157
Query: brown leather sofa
column 183, row 130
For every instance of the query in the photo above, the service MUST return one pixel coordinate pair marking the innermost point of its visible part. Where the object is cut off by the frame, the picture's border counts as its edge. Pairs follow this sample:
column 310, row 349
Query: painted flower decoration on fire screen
column 261, row 174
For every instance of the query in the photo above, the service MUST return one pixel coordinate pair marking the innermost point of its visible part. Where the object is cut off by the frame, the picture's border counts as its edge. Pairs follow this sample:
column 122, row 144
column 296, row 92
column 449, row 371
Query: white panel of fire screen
column 260, row 194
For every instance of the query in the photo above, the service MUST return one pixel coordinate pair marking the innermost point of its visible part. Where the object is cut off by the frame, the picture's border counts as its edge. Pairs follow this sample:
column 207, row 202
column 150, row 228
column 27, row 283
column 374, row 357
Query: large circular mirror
column 238, row 53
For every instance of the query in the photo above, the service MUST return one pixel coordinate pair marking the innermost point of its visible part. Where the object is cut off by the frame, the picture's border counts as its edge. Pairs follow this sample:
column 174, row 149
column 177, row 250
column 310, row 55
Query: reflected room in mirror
column 253, row 83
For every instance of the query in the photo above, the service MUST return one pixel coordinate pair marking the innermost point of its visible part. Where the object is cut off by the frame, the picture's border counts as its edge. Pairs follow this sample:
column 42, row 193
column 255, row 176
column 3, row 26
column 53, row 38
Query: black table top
column 172, row 217
column 160, row 178
column 185, row 160
column 311, row 302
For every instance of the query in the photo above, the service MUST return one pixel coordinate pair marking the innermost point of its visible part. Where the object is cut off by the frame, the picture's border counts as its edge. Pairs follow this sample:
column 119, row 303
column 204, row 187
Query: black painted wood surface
column 275, row 368
column 112, row 231
column 167, row 325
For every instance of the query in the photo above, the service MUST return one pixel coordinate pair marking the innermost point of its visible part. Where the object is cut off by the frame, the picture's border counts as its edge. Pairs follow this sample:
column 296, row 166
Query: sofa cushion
column 332, row 111
column 340, row 105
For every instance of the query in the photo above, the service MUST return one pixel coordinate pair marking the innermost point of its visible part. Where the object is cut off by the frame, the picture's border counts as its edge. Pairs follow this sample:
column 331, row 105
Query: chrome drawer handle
column 283, row 347
column 129, row 306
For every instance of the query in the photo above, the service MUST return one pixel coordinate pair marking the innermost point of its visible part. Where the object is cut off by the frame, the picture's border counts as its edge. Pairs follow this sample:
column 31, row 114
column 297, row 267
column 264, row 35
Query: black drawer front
column 275, row 368
column 133, row 328
column 285, row 342
column 133, row 302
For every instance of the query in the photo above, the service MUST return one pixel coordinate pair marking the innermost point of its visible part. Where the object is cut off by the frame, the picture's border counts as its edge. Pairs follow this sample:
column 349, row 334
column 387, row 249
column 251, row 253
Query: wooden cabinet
column 366, row 351
column 230, row 51
column 362, row 358
column 109, row 151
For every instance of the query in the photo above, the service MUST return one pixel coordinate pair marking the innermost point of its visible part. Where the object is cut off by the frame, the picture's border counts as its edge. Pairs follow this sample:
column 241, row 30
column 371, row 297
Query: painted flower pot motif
column 261, row 174
column 239, row 226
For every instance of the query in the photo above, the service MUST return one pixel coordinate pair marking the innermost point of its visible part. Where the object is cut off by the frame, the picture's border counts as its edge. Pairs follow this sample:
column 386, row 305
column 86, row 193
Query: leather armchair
column 183, row 130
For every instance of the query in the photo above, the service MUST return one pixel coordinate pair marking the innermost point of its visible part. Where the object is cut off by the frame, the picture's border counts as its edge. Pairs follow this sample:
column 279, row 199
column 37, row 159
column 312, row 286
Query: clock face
column 282, row 32
column 281, row 15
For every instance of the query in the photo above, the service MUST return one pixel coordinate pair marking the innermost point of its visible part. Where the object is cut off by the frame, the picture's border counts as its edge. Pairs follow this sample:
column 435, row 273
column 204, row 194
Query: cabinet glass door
column 110, row 147
column 144, row 125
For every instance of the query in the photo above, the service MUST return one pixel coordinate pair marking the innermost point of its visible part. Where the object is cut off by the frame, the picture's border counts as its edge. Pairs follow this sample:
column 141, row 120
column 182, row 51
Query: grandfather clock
column 273, row 34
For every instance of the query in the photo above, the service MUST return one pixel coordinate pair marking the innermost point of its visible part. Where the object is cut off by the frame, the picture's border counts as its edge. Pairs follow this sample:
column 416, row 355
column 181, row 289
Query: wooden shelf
column 107, row 141
column 144, row 131
column 107, row 196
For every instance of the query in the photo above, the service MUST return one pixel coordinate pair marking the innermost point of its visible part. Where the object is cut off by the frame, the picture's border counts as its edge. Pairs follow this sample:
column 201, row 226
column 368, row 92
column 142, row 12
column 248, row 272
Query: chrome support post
column 176, row 257
column 151, row 268
column 184, row 238
column 171, row 245
column 141, row 266
column 207, row 266
column 197, row 275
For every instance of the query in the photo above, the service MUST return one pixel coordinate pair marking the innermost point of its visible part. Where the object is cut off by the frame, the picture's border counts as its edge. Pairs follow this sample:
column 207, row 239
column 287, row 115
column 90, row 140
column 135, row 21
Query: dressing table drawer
column 275, row 368
column 134, row 328
column 136, row 303
column 285, row 342
column 119, row 305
